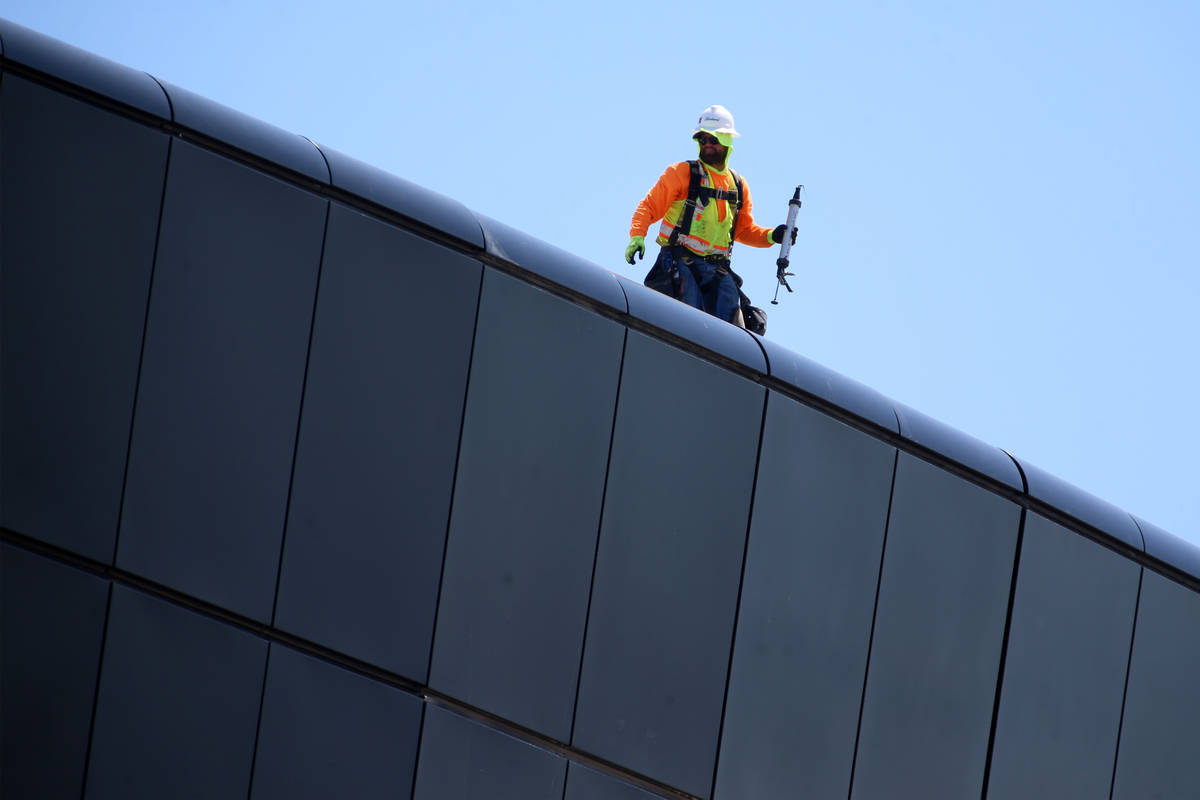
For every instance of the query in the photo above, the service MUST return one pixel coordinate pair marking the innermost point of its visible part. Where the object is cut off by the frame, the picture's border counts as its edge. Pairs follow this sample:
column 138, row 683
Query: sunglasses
column 704, row 138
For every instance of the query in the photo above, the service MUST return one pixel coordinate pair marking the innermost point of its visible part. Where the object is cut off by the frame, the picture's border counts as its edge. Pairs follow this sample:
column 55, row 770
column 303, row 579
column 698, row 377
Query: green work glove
column 637, row 244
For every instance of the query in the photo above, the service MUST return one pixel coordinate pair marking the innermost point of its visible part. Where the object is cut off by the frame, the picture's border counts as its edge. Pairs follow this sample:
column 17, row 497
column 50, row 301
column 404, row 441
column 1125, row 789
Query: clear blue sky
column 1002, row 202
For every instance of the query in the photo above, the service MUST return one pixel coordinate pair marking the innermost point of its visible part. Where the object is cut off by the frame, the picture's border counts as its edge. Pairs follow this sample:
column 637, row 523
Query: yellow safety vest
column 706, row 235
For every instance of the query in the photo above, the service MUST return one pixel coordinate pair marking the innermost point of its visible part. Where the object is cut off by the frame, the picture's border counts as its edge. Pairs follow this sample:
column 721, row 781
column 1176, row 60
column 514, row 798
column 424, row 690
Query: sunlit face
column 712, row 152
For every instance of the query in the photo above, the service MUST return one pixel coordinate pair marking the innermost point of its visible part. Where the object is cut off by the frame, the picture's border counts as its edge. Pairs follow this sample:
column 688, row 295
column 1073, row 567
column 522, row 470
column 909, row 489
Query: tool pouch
column 664, row 279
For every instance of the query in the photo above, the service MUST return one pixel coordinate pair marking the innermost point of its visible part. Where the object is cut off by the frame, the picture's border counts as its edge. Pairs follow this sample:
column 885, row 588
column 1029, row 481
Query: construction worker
column 699, row 203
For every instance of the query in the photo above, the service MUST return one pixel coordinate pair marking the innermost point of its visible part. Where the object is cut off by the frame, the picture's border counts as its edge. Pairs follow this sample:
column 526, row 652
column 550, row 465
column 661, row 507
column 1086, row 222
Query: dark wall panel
column 53, row 624
column 527, row 505
column 178, row 706
column 1064, row 677
column 1159, row 734
column 226, row 343
column 669, row 564
column 804, row 626
column 463, row 760
column 375, row 464
column 587, row 784
column 943, row 600
column 327, row 732
column 80, row 217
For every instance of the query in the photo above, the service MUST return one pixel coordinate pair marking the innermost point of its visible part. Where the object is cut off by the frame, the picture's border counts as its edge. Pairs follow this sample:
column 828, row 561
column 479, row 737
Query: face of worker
column 712, row 152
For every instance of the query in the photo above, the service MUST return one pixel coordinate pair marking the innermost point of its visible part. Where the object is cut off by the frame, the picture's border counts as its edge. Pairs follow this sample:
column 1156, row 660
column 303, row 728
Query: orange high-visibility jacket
column 710, row 234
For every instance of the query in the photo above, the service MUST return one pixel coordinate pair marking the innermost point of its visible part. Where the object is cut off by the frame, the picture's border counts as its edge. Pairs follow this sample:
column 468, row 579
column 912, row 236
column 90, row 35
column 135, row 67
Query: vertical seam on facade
column 417, row 755
column 312, row 329
column 566, row 775
column 462, row 424
column 1012, row 599
column 587, row 614
column 737, row 609
column 262, row 701
column 862, row 701
column 137, row 383
column 87, row 756
column 3, row 349
column 1137, row 603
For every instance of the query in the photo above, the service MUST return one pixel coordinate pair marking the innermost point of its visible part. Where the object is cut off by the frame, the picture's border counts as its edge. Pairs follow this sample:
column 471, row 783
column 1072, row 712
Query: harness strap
column 707, row 194
column 684, row 226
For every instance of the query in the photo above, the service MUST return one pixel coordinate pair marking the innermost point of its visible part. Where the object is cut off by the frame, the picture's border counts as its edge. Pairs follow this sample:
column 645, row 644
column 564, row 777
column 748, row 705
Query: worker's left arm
column 747, row 231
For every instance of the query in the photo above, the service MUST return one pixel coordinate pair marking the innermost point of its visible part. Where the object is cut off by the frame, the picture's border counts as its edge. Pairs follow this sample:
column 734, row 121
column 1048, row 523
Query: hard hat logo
column 716, row 119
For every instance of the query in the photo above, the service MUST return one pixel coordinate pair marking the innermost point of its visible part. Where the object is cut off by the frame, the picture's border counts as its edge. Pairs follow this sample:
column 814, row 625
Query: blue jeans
column 702, row 286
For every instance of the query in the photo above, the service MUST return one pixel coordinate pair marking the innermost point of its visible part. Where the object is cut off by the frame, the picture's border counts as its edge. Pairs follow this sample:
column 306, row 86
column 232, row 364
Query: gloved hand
column 777, row 234
column 637, row 244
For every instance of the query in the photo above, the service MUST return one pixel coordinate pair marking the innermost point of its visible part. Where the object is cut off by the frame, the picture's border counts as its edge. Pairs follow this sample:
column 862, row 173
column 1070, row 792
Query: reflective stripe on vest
column 709, row 235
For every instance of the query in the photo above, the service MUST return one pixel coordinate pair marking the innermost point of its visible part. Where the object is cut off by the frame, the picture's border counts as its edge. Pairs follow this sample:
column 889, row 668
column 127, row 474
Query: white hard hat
column 716, row 119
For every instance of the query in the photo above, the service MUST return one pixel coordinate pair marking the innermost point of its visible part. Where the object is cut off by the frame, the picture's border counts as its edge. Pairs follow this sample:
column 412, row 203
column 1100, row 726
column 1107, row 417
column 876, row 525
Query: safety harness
column 754, row 318
column 707, row 194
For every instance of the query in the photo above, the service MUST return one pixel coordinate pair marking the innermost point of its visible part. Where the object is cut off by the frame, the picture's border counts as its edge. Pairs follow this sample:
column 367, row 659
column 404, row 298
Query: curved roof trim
column 73, row 65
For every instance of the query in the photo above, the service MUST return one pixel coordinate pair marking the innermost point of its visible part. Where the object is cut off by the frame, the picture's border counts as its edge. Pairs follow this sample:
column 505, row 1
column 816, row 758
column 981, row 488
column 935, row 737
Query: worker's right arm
column 672, row 185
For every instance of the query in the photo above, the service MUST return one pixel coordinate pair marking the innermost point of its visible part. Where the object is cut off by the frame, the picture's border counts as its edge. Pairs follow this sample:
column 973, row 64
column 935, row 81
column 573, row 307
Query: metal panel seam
column 874, row 616
column 209, row 610
column 3, row 494
column 137, row 383
column 166, row 94
column 560, row 749
column 328, row 169
column 625, row 295
column 1141, row 533
column 1112, row 786
column 262, row 701
column 462, row 419
column 1012, row 596
column 1025, row 480
column 87, row 758
column 737, row 608
column 312, row 326
column 412, row 789
column 766, row 358
column 587, row 614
